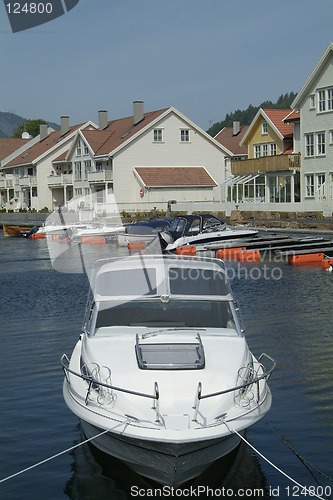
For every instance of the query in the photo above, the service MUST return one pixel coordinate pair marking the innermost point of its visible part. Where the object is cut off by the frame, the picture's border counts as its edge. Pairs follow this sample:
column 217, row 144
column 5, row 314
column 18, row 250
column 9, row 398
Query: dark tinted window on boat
column 134, row 282
column 195, row 281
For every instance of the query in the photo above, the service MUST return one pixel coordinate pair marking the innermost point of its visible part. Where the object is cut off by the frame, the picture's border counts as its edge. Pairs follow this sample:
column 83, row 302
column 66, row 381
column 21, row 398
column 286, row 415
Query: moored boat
column 162, row 376
column 15, row 230
column 200, row 229
column 144, row 231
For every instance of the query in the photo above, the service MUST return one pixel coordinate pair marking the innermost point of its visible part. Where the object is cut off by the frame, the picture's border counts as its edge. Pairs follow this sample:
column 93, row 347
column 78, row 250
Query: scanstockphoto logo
column 24, row 15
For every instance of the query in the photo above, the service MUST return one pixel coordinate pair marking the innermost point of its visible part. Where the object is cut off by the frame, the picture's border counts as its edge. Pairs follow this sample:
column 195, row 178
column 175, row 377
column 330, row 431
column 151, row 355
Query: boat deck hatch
column 170, row 356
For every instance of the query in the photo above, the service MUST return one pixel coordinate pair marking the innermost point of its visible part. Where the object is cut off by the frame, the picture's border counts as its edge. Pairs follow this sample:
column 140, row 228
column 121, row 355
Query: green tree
column 246, row 116
column 30, row 126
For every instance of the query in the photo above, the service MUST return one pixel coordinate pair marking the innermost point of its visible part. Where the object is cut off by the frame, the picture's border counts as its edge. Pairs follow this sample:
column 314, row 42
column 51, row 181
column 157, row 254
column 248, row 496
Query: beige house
column 139, row 162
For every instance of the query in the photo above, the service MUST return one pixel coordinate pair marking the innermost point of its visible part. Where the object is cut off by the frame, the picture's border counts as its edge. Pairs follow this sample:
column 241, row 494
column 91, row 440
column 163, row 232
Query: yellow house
column 268, row 134
column 271, row 172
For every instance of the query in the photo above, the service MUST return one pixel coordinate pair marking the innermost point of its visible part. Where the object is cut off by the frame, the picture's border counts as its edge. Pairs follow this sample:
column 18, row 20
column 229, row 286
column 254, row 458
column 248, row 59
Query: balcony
column 266, row 164
column 28, row 181
column 100, row 176
column 7, row 182
column 60, row 180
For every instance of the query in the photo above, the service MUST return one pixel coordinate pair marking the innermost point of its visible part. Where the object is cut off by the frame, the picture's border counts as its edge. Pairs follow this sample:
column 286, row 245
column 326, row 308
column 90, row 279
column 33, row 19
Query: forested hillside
column 10, row 121
column 246, row 116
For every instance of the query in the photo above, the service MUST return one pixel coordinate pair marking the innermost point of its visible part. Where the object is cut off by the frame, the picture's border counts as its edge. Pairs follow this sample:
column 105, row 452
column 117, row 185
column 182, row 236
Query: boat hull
column 11, row 230
column 170, row 464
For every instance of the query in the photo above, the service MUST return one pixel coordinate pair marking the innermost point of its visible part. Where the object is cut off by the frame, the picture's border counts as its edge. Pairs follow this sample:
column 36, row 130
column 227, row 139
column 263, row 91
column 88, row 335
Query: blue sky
column 204, row 57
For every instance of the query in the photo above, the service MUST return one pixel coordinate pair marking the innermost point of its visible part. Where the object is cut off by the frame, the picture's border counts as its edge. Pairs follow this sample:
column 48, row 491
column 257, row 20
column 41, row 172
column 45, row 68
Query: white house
column 315, row 131
column 142, row 162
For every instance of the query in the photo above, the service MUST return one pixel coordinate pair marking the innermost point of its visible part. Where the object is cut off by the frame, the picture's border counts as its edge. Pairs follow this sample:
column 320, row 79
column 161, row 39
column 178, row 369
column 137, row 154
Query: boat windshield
column 171, row 313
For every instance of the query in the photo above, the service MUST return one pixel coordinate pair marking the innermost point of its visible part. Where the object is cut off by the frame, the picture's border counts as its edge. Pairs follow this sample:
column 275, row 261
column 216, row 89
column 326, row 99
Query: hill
column 10, row 121
column 246, row 116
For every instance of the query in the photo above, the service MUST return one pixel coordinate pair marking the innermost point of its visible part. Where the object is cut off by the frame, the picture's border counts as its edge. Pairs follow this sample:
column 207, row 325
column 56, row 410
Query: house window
column 321, row 101
column 85, row 149
column 330, row 99
column 99, row 167
column 77, row 171
column 312, row 102
column 87, row 168
column 78, row 192
column 309, row 185
column 309, row 145
column 321, row 185
column 264, row 128
column 158, row 135
column 320, row 139
column 184, row 135
column 34, row 192
column 273, row 149
column 331, row 136
column 257, row 151
column 265, row 149
column 78, row 149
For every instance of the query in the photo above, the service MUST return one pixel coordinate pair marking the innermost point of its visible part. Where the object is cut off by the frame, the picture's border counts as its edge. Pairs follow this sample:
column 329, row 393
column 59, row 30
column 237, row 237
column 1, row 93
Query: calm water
column 290, row 318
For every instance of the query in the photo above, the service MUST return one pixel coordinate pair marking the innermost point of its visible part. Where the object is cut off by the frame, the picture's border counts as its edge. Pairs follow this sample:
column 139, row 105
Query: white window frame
column 265, row 149
column 320, row 143
column 309, row 145
column 312, row 100
column 78, row 171
column 257, row 150
column 264, row 128
column 309, row 186
column 329, row 93
column 330, row 136
column 321, row 101
column 85, row 149
column 184, row 135
column 272, row 149
column 158, row 135
column 78, row 149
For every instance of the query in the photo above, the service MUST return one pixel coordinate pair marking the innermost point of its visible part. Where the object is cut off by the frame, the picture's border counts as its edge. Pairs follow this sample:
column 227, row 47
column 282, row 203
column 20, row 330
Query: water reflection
column 97, row 475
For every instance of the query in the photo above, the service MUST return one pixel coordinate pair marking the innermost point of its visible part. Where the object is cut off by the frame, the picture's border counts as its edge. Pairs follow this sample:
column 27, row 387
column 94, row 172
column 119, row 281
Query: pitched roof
column 175, row 176
column 9, row 145
column 117, row 132
column 323, row 61
column 31, row 154
column 231, row 141
column 294, row 116
column 276, row 116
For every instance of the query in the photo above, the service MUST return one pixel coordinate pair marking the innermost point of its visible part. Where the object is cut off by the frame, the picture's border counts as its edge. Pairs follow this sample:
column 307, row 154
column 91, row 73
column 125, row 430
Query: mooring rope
column 304, row 488
column 51, row 458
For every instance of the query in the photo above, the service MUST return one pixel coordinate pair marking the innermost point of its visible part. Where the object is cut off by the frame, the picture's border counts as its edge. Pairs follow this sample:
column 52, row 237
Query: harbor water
column 287, row 312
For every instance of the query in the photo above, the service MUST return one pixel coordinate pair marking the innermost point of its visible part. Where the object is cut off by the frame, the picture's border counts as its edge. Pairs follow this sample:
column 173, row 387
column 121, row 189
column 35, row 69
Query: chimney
column 235, row 128
column 102, row 119
column 138, row 112
column 64, row 125
column 42, row 132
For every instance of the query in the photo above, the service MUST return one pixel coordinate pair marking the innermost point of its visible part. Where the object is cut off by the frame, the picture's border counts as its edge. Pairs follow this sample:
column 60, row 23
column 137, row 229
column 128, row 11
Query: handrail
column 92, row 380
column 256, row 380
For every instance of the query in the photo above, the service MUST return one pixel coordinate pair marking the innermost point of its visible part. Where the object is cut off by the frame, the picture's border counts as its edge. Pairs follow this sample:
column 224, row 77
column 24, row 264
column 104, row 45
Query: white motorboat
column 144, row 231
column 201, row 229
column 96, row 229
column 162, row 377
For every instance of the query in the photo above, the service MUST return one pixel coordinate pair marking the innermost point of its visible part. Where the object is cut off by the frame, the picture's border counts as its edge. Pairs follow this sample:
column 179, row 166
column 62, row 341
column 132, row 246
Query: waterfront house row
column 142, row 161
column 282, row 161
column 289, row 161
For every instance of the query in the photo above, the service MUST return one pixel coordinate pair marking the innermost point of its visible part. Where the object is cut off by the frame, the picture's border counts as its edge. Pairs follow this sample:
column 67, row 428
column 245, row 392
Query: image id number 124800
column 29, row 8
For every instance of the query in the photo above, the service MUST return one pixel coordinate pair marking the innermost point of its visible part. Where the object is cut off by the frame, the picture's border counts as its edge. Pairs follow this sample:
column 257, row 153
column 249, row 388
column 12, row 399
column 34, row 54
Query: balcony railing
column 266, row 164
column 28, row 181
column 7, row 182
column 101, row 176
column 60, row 180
